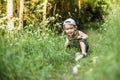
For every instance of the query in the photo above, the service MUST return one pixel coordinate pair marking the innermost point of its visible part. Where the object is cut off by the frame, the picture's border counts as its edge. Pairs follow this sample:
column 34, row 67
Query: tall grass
column 32, row 58
column 107, row 67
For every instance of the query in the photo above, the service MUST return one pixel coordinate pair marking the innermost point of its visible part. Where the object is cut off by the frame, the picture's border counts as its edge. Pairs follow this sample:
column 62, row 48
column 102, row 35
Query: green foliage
column 50, row 27
column 32, row 58
column 3, row 24
column 108, row 62
column 92, row 11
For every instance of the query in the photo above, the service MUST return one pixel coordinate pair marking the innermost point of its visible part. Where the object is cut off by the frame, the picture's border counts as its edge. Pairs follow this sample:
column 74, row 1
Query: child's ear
column 75, row 27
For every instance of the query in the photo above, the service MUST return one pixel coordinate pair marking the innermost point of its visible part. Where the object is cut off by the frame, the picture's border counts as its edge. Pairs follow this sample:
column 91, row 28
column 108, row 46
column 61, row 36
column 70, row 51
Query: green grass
column 36, row 57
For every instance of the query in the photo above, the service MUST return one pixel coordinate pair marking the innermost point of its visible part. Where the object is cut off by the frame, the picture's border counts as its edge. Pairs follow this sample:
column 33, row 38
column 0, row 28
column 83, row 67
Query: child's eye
column 71, row 28
column 67, row 29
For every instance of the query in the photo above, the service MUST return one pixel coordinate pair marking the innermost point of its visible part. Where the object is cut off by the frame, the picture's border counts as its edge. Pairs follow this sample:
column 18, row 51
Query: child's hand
column 79, row 37
column 66, row 44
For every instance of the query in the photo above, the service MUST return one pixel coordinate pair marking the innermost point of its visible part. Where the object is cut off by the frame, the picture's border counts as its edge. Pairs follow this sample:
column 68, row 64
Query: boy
column 75, row 38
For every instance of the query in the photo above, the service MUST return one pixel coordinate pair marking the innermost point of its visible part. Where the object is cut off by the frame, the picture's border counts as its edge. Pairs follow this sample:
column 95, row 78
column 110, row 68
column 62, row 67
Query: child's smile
column 69, row 29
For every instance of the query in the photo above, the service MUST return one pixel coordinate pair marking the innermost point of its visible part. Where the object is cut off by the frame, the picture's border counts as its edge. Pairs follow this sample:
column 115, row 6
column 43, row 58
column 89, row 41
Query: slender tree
column 45, row 10
column 0, row 6
column 10, row 15
column 79, row 4
column 21, row 7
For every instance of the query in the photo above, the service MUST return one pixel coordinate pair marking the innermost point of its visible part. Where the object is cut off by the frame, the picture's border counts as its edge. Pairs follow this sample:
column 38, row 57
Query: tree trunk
column 0, row 7
column 21, row 7
column 10, row 22
column 44, row 10
column 79, row 4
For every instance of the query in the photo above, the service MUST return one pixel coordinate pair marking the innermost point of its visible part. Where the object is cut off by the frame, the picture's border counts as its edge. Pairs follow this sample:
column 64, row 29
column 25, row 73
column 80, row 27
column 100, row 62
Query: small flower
column 94, row 59
column 30, row 25
column 75, row 69
column 89, row 71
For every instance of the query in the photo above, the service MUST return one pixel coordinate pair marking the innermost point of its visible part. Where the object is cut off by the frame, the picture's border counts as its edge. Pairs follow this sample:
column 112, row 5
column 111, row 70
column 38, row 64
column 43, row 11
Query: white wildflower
column 75, row 69
column 11, row 44
column 94, row 59
column 30, row 25
column 89, row 71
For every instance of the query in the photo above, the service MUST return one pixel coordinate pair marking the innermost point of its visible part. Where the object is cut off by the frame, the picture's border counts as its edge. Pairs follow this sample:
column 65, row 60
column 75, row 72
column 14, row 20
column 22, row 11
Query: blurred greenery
column 91, row 11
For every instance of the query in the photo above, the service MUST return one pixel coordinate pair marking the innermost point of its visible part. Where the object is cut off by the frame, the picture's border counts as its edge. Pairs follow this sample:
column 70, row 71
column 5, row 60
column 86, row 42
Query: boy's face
column 69, row 29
